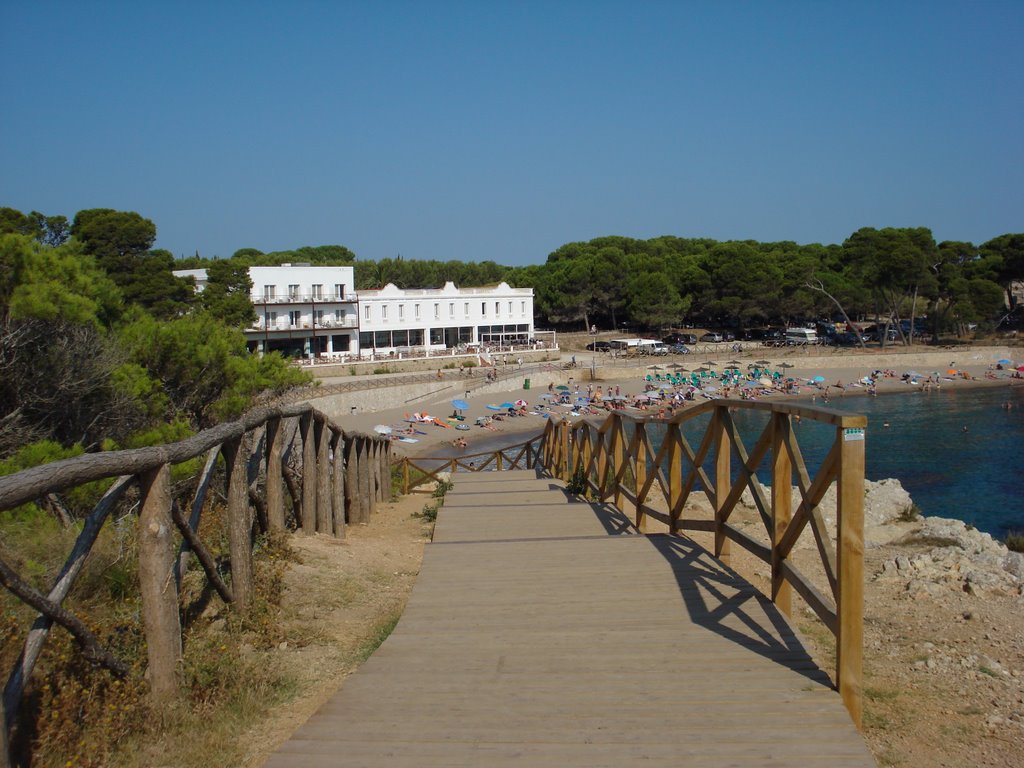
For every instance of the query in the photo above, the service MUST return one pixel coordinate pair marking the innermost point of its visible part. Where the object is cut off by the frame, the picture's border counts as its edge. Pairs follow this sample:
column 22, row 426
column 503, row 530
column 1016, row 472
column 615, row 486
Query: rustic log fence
column 617, row 461
column 341, row 478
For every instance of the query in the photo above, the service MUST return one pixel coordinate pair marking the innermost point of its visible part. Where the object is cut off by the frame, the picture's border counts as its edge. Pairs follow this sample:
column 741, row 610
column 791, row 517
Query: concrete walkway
column 547, row 633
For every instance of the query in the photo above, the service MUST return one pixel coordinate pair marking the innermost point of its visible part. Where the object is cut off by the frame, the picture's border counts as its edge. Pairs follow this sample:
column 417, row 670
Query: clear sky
column 501, row 130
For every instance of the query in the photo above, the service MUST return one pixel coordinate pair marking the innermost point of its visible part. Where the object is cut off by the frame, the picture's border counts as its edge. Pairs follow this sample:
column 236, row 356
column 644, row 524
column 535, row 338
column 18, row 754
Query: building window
column 269, row 291
column 437, row 311
column 366, row 311
column 522, row 307
column 416, row 337
column 401, row 312
column 465, row 309
column 318, row 292
column 510, row 307
column 272, row 320
column 384, row 312
column 451, row 309
column 318, row 317
column 293, row 291
column 483, row 308
column 497, row 308
column 294, row 318
column 339, row 291
column 338, row 315
column 416, row 311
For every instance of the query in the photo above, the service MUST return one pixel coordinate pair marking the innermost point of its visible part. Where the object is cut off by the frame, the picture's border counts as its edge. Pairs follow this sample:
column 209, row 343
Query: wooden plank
column 543, row 634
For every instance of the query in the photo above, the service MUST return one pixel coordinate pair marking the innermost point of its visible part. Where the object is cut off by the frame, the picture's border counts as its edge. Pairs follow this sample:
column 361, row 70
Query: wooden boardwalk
column 548, row 633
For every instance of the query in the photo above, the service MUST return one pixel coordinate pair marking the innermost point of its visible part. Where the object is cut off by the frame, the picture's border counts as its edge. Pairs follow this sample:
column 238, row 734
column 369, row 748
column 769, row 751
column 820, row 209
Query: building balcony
column 304, row 298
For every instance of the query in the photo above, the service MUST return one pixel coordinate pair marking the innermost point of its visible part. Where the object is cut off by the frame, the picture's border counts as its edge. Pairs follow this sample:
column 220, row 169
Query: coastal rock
column 960, row 558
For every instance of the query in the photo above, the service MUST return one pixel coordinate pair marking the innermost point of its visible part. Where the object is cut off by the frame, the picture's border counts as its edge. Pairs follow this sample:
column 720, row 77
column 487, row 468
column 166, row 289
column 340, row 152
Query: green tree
column 227, row 293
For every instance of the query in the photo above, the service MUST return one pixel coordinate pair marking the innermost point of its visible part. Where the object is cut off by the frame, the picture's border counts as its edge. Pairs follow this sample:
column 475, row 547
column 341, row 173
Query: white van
column 798, row 337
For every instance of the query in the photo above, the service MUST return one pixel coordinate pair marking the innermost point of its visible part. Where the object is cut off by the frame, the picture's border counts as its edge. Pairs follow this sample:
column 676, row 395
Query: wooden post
column 563, row 453
column 641, row 476
column 324, row 516
column 617, row 452
column 384, row 462
column 275, row 489
column 366, row 505
column 239, row 525
column 156, row 584
column 675, row 475
column 723, row 450
column 405, row 475
column 602, row 466
column 338, row 484
column 352, row 501
column 782, row 507
column 850, row 566
column 308, row 474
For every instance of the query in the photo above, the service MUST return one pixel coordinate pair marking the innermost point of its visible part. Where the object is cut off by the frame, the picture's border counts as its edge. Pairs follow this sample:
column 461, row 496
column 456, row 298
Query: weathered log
column 239, row 525
column 274, row 488
column 338, row 483
column 366, row 481
column 91, row 647
column 293, row 482
column 352, row 500
column 261, row 509
column 61, row 587
column 308, row 474
column 156, row 583
column 202, row 554
column 5, row 749
column 324, row 522
column 198, row 499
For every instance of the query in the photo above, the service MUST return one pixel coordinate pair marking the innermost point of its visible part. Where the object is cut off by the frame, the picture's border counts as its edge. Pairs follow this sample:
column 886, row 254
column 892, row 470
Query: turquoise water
column 976, row 476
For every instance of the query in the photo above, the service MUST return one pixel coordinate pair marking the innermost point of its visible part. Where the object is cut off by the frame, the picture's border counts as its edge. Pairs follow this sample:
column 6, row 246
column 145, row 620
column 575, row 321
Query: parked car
column 679, row 349
column 657, row 348
column 599, row 346
column 711, row 337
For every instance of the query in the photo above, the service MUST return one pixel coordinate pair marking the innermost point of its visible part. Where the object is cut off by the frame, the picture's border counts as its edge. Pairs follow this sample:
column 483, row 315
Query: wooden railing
column 618, row 462
column 340, row 478
column 420, row 470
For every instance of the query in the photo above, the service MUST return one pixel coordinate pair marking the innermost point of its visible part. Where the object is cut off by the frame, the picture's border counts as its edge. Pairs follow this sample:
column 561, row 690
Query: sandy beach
column 822, row 380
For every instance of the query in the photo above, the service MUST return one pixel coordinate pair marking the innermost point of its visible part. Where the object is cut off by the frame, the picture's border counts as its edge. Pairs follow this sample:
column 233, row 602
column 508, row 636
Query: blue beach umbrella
column 494, row 408
column 818, row 378
column 1004, row 361
column 460, row 405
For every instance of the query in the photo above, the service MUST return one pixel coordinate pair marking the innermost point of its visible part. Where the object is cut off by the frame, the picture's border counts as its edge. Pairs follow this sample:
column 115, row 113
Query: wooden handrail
column 617, row 460
column 332, row 461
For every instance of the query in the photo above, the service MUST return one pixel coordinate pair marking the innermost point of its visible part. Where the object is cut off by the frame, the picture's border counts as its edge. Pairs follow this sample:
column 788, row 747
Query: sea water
column 957, row 452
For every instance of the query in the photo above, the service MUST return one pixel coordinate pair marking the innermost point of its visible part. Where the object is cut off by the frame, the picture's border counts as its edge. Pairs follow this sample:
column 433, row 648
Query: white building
column 301, row 310
column 393, row 320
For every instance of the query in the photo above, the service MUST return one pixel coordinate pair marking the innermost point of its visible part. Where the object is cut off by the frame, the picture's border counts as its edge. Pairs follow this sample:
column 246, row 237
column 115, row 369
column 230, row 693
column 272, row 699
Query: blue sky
column 501, row 130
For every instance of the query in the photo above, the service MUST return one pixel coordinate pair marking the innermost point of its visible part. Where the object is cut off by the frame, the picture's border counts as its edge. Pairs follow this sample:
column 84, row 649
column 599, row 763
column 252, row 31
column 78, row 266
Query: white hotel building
column 394, row 320
column 314, row 312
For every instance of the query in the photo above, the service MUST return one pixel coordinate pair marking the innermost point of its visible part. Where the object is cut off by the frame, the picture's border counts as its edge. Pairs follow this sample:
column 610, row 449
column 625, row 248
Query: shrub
column 1014, row 541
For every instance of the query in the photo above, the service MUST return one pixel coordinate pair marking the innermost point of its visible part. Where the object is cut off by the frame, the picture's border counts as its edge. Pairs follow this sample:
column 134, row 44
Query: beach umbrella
column 667, row 386
column 655, row 368
column 1004, row 361
column 1020, row 367
column 952, row 372
column 562, row 387
column 507, row 405
column 763, row 362
column 460, row 405
column 764, row 381
column 734, row 362
column 817, row 378
column 676, row 367
column 750, row 384
column 521, row 403
column 382, row 429
column 708, row 362
column 786, row 365
column 732, row 367
column 494, row 408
